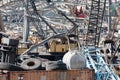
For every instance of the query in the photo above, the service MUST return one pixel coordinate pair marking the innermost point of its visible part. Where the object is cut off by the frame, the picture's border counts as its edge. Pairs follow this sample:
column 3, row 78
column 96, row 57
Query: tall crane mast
column 95, row 60
column 95, row 22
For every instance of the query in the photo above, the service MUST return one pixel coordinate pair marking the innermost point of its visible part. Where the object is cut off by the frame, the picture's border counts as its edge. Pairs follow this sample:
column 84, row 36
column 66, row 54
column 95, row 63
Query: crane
column 42, row 35
column 95, row 60
column 95, row 22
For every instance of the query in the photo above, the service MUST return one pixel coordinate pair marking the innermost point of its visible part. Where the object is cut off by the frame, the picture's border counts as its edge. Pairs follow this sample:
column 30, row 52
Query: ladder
column 95, row 22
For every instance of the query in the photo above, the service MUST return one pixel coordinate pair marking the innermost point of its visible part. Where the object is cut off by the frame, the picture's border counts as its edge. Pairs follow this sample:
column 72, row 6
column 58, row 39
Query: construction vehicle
column 95, row 60
column 61, row 45
column 58, row 44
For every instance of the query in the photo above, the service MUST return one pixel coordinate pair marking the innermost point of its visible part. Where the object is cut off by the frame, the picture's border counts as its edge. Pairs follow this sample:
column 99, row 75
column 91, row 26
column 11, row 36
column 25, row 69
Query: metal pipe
column 26, row 23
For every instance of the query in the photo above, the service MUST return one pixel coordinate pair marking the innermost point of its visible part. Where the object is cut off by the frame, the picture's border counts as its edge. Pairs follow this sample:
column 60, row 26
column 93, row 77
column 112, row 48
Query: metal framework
column 95, row 22
column 14, row 10
column 18, row 14
column 95, row 60
column 103, row 71
column 46, row 14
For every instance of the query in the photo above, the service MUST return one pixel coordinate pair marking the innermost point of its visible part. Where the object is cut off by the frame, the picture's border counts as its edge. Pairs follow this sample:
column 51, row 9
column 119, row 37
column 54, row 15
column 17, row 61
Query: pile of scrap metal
column 10, row 60
column 62, row 58
column 31, row 61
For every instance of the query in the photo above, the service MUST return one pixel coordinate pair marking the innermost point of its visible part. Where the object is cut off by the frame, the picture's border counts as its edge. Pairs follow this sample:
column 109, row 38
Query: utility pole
column 26, row 23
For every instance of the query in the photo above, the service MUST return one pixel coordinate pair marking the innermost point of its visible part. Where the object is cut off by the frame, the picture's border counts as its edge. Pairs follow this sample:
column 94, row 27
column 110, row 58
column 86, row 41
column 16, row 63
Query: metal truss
column 49, row 14
column 14, row 13
column 95, row 22
column 95, row 60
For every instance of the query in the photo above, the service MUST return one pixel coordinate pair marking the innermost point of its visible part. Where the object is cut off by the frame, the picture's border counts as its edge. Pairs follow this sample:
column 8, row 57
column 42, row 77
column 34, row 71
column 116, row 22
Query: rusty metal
column 3, row 76
column 83, row 74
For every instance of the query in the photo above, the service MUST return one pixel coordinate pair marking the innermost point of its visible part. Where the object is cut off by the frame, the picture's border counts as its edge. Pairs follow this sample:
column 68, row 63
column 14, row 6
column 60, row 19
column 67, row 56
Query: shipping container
column 82, row 74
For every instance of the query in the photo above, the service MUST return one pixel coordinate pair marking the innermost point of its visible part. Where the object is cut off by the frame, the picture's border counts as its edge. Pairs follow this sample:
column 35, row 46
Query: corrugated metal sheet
column 83, row 74
column 3, row 76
